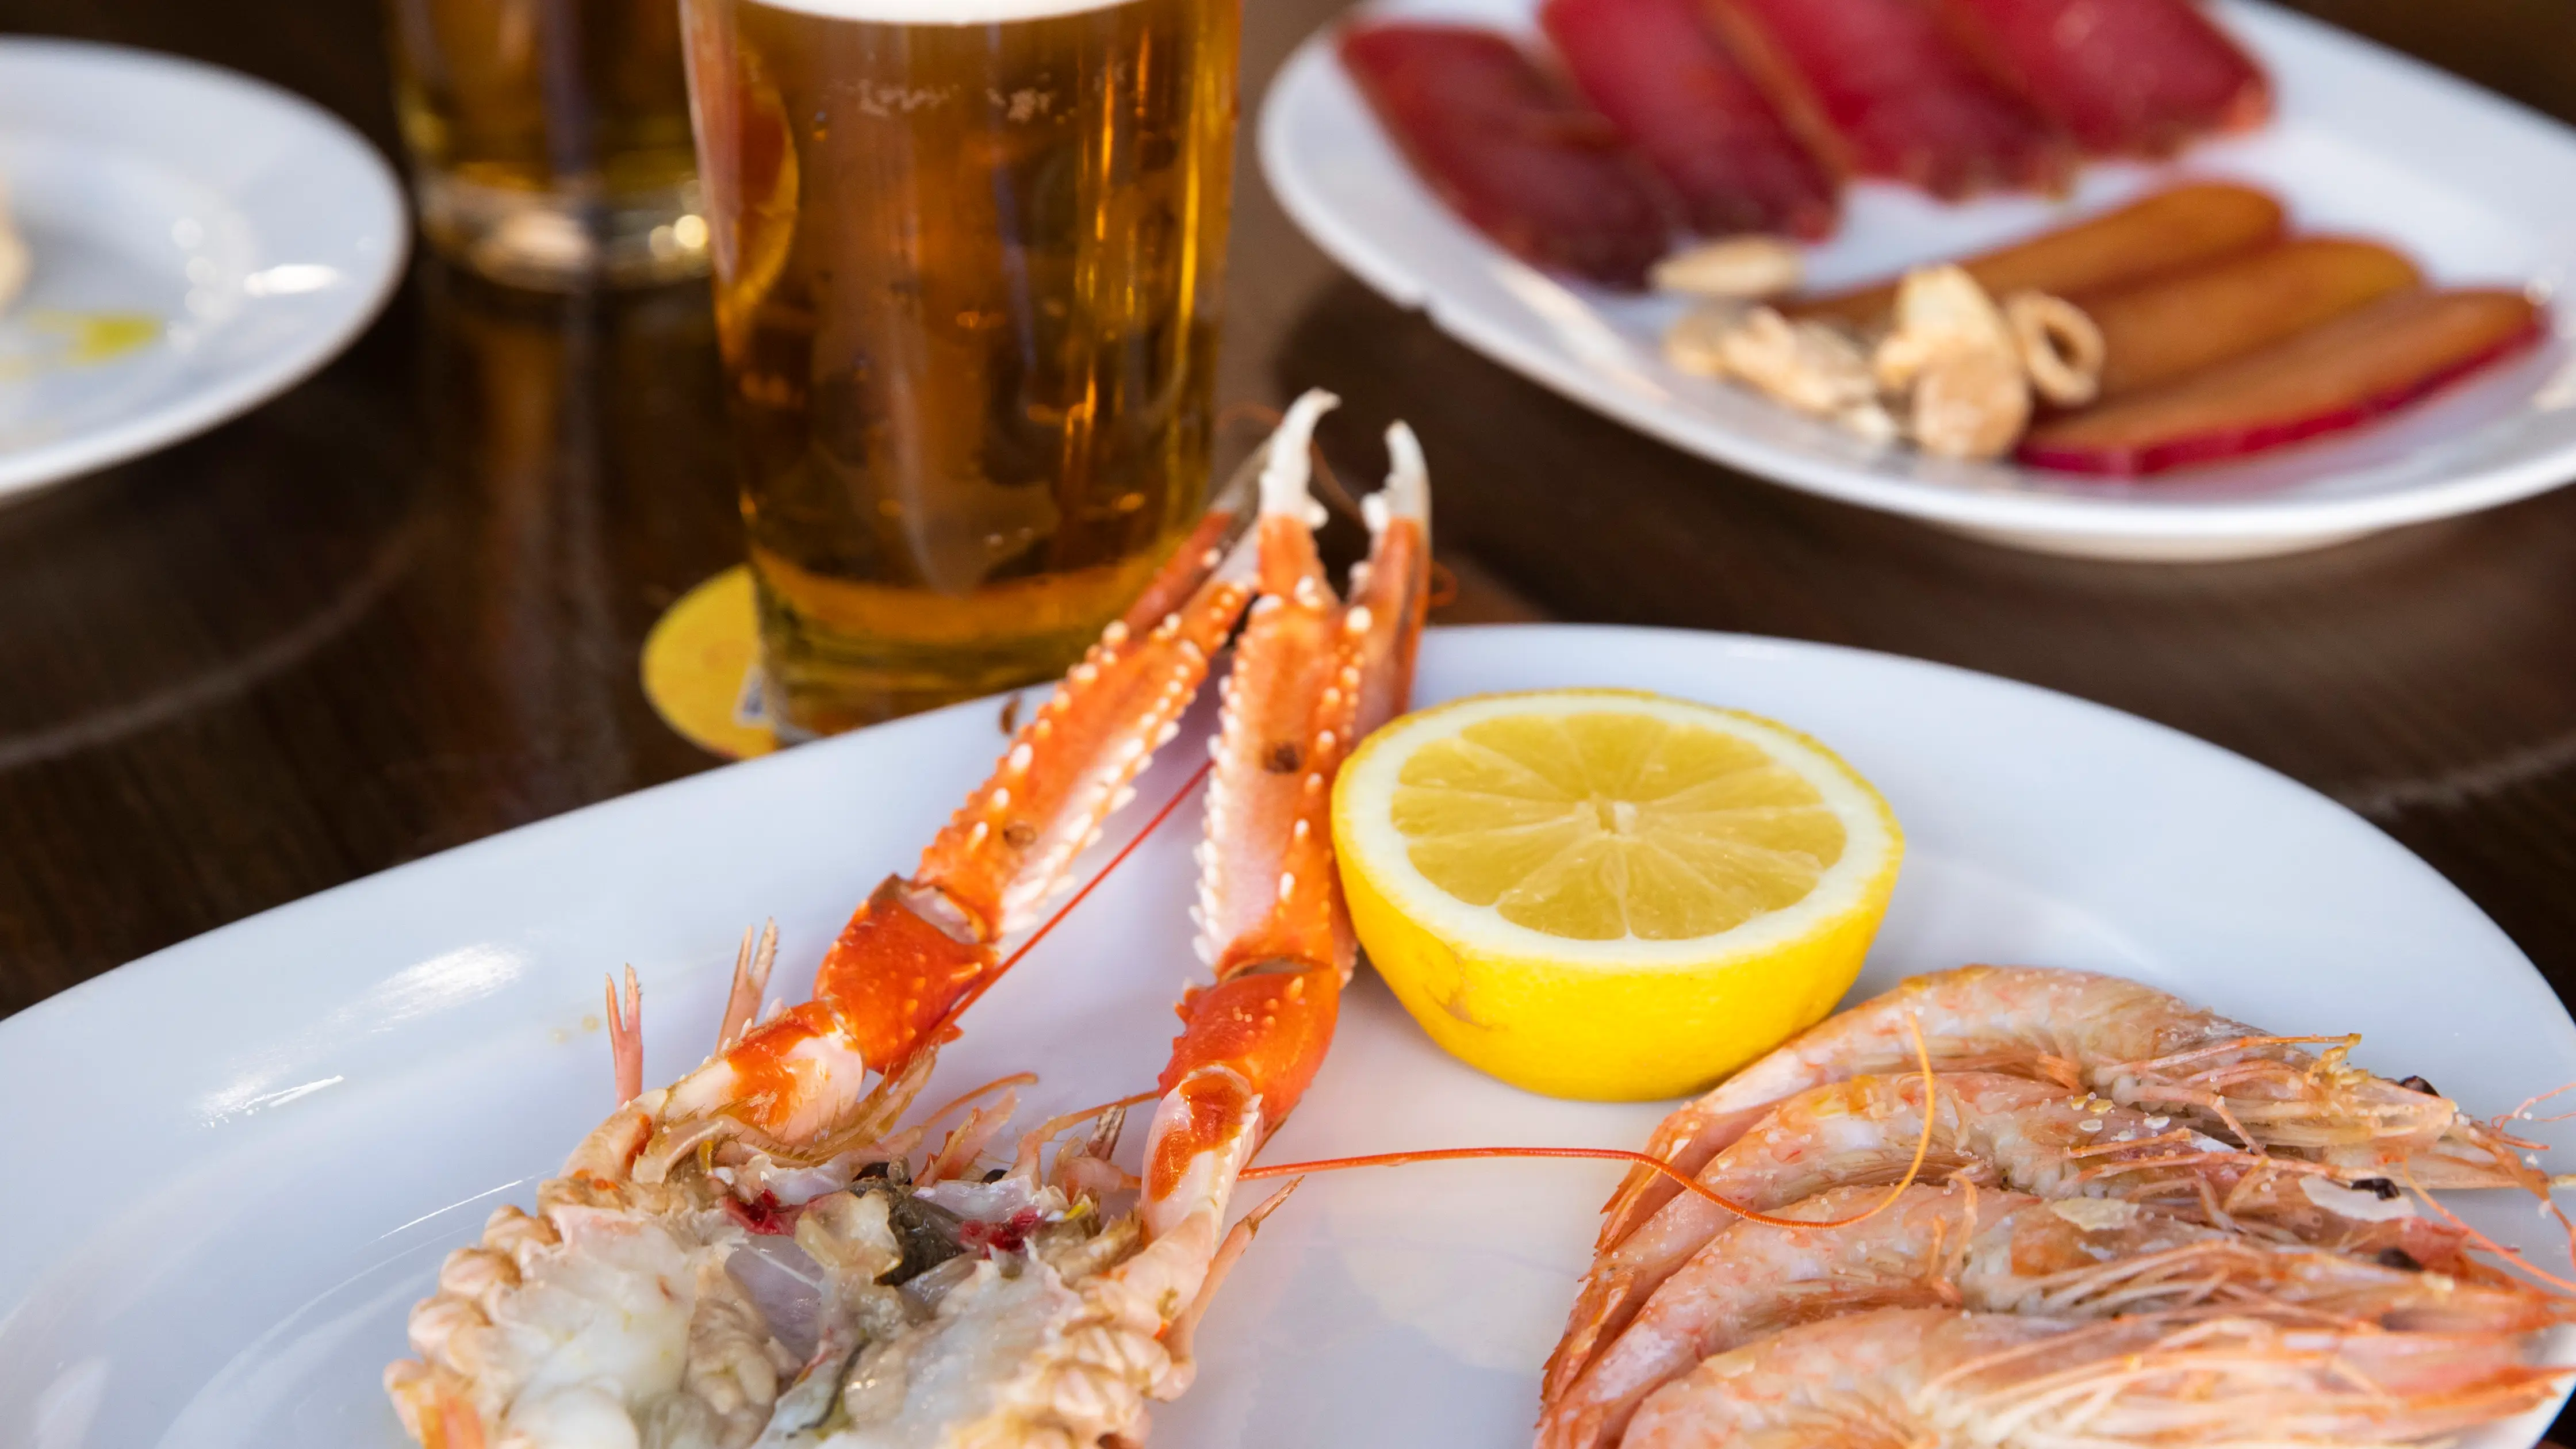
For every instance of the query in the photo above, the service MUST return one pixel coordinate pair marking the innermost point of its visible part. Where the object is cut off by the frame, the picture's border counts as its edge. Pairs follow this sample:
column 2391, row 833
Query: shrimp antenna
column 1688, row 1183
column 2523, row 1112
column 2512, row 1256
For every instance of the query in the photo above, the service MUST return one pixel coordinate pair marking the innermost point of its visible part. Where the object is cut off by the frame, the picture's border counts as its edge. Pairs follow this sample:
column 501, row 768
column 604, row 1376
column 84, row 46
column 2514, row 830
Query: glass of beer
column 550, row 138
column 967, row 257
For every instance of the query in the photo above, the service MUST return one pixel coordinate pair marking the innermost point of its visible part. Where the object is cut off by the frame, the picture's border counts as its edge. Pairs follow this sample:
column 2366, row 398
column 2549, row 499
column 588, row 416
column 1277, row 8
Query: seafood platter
column 387, row 1166
column 2150, row 280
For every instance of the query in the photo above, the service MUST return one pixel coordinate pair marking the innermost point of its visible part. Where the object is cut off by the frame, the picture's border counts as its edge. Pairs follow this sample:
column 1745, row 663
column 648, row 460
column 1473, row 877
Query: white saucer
column 258, row 231
column 2367, row 141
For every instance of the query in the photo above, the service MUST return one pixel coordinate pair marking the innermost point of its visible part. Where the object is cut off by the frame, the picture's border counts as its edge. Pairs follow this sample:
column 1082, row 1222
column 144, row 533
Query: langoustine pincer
column 750, row 1255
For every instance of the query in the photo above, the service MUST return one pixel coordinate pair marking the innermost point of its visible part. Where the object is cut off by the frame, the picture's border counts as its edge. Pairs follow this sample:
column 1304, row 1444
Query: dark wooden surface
column 399, row 608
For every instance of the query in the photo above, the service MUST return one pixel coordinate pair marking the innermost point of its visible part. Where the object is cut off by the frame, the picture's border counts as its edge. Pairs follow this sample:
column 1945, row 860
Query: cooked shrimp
column 2029, row 1135
column 2131, row 1043
column 1995, row 1252
column 1903, row 1377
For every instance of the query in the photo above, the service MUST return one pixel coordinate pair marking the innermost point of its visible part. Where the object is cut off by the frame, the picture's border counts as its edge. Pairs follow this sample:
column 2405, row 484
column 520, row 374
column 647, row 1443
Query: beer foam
column 942, row 12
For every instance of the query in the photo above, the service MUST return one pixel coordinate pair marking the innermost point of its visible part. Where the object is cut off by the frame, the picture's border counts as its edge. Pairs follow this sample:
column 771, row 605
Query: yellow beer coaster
column 702, row 668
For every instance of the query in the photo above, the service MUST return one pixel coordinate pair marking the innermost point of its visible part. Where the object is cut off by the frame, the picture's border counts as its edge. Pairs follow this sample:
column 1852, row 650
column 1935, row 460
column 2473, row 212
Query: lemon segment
column 1607, row 894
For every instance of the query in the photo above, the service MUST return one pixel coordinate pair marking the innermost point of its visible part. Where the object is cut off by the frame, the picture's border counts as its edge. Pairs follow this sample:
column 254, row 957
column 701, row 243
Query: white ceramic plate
column 256, row 229
column 2367, row 141
column 238, row 1162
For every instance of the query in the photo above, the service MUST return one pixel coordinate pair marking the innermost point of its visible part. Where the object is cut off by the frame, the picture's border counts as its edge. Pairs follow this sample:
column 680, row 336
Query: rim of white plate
column 1309, row 84
column 372, row 254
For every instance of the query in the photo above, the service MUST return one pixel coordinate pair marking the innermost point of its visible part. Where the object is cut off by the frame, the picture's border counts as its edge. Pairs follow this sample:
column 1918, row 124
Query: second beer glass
column 967, row 260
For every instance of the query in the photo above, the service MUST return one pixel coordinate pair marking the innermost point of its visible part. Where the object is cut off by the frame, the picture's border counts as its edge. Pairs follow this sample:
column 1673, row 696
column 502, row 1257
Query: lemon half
column 1606, row 894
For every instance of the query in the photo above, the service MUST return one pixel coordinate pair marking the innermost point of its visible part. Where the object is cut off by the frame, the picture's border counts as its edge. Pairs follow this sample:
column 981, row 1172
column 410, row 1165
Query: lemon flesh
column 1602, row 894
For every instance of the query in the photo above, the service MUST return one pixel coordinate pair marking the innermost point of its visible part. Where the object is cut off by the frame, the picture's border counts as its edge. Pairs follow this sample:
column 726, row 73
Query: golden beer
column 967, row 261
column 550, row 138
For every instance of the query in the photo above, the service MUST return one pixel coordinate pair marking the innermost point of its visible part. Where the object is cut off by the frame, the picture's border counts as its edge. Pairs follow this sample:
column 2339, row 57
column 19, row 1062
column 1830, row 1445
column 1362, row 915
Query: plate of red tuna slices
column 2155, row 279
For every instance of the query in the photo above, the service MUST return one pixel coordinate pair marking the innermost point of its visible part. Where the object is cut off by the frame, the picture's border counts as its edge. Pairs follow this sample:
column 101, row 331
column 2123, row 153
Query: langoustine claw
column 612, row 1304
column 1312, row 676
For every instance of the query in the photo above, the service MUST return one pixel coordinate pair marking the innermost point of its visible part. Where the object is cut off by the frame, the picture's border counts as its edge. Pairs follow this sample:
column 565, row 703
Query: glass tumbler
column 968, row 257
column 550, row 138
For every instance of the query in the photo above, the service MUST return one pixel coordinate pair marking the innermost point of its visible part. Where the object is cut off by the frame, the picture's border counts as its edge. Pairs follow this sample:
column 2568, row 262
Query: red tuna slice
column 1884, row 86
column 1510, row 151
column 2329, row 378
column 2127, row 77
column 1660, row 74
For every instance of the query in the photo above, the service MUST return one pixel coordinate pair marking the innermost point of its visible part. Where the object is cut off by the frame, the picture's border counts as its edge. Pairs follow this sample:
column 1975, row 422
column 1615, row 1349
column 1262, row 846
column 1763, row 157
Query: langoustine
column 1990, row 1251
column 749, row 1255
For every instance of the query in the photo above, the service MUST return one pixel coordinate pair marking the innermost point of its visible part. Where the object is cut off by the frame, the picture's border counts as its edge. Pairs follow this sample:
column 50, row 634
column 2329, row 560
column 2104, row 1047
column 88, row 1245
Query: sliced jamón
column 1660, row 74
column 1509, row 150
column 2124, row 77
column 2326, row 379
column 1884, row 88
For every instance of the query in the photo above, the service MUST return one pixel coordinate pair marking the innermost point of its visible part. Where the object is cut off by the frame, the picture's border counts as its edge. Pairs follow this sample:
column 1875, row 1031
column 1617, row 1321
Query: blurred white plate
column 249, row 233
column 2367, row 141
column 239, row 1161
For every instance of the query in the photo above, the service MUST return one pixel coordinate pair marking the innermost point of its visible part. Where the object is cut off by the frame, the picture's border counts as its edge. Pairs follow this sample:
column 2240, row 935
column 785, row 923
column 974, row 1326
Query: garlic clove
column 1742, row 268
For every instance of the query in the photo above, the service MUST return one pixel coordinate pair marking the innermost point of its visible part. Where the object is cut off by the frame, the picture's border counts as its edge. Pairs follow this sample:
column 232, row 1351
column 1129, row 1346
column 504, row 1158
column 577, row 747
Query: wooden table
column 400, row 608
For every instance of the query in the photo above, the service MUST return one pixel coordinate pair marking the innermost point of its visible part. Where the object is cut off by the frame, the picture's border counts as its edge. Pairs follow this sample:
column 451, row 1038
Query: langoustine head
column 887, row 1310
